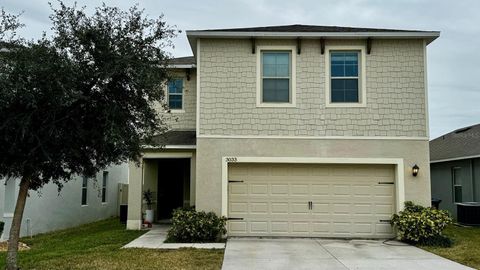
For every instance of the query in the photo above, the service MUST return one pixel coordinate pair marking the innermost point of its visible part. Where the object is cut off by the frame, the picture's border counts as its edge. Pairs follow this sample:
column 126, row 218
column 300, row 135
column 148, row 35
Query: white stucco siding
column 395, row 92
column 184, row 119
column 47, row 210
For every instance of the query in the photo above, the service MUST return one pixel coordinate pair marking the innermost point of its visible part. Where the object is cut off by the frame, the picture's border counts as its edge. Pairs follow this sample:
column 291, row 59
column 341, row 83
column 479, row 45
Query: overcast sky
column 453, row 59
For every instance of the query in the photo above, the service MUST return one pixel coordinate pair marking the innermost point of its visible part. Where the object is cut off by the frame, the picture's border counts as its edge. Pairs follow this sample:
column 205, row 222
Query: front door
column 173, row 181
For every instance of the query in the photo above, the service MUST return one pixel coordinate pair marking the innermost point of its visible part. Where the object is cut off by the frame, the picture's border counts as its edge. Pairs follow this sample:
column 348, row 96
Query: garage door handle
column 310, row 205
column 385, row 220
column 235, row 181
column 385, row 183
column 234, row 218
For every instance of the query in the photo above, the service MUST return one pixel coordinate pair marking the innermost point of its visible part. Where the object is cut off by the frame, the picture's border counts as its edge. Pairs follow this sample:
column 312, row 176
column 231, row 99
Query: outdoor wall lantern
column 415, row 170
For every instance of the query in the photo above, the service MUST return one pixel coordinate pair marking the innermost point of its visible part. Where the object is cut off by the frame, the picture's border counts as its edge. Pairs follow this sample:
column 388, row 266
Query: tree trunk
column 16, row 223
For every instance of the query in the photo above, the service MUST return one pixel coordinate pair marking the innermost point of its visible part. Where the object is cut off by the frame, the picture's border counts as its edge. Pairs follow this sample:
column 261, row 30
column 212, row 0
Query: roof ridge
column 309, row 28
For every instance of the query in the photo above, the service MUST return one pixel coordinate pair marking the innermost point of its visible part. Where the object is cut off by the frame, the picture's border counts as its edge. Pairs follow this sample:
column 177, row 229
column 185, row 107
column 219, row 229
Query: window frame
column 167, row 94
column 454, row 185
column 293, row 60
column 84, row 187
column 105, row 176
column 362, row 70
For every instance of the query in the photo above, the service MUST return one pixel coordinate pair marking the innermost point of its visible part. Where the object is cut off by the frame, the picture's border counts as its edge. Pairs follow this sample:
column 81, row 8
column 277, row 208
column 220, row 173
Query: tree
column 80, row 100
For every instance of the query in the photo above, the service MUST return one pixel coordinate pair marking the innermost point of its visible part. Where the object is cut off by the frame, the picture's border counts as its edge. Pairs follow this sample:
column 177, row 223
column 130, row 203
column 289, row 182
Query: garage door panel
column 320, row 208
column 238, row 208
column 300, row 227
column 238, row 189
column 259, row 226
column 341, row 190
column 362, row 208
column 279, row 189
column 258, row 189
column 280, row 208
column 259, row 208
column 299, row 208
column 320, row 190
column 280, row 227
column 383, row 229
column 385, row 209
column 299, row 189
column 347, row 200
column 237, row 227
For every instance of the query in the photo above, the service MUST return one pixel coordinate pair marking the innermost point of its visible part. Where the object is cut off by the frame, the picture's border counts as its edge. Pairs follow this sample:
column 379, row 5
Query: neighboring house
column 293, row 131
column 80, row 201
column 455, row 167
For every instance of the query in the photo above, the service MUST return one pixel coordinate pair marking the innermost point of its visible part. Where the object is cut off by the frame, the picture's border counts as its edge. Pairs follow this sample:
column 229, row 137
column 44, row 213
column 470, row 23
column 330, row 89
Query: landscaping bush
column 190, row 226
column 422, row 225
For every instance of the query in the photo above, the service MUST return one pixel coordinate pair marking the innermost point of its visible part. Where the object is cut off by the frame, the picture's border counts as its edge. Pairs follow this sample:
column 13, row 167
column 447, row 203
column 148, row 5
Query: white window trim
column 362, row 92
column 293, row 92
column 167, row 95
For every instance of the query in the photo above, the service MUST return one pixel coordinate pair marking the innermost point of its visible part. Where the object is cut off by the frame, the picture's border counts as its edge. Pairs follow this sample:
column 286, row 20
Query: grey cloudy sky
column 453, row 59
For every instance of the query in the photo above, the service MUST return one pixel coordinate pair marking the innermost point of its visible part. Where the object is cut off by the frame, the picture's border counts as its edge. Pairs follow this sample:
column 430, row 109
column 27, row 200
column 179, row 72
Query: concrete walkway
column 302, row 253
column 156, row 236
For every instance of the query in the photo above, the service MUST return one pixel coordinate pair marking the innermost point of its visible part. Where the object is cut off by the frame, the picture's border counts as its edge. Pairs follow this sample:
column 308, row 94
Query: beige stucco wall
column 150, row 181
column 394, row 85
column 186, row 119
column 211, row 151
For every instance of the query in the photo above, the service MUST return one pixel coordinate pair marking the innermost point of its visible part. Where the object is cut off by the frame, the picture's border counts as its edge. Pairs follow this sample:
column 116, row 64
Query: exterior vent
column 462, row 130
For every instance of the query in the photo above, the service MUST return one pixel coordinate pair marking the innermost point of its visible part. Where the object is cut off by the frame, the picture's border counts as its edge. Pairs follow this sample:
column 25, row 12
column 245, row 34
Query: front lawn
column 466, row 247
column 97, row 246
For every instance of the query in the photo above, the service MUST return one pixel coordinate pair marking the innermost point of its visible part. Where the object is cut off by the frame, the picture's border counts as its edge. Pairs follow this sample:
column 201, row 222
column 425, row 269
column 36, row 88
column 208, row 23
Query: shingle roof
column 187, row 60
column 309, row 28
column 464, row 142
column 175, row 137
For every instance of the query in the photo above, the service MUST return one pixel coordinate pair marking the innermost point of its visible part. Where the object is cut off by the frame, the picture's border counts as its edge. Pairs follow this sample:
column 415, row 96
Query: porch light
column 415, row 170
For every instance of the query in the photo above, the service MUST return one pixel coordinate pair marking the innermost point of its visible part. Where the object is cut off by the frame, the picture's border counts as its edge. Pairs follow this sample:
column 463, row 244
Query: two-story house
column 293, row 130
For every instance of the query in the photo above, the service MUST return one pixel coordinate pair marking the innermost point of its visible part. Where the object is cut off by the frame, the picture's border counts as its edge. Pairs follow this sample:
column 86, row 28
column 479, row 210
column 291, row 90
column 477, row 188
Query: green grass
column 97, row 246
column 466, row 247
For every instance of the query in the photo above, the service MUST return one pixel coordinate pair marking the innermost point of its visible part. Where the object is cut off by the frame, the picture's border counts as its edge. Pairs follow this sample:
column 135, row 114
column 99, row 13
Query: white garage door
column 310, row 200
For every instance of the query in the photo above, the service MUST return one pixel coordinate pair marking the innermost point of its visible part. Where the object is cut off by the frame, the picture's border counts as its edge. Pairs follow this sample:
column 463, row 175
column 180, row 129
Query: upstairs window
column 84, row 190
column 345, row 78
column 275, row 76
column 175, row 94
column 104, row 186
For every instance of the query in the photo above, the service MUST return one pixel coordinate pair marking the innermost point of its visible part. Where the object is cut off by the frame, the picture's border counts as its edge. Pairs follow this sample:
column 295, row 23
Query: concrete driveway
column 302, row 253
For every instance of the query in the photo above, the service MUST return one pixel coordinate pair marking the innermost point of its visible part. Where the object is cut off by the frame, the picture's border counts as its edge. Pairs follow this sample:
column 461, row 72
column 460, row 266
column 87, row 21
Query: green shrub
column 1, row 227
column 190, row 226
column 422, row 225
